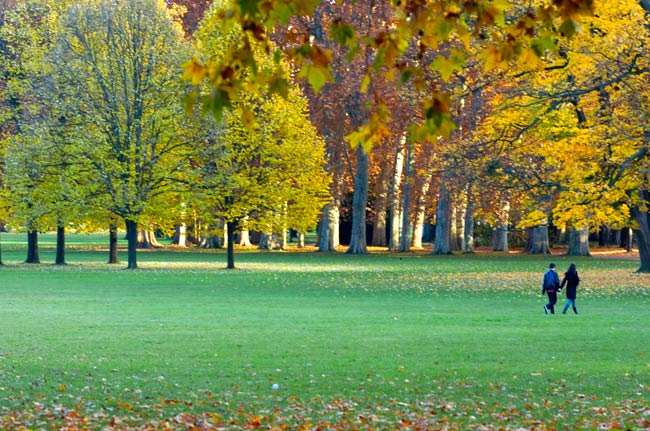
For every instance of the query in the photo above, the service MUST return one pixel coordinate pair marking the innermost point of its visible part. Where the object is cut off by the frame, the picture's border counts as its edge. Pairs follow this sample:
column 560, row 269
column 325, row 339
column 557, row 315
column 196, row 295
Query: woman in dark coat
column 571, row 280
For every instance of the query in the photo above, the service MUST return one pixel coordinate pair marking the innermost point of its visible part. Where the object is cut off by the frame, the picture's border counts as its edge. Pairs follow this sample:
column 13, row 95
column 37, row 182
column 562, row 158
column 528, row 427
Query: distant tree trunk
column 626, row 238
column 603, row 235
column 329, row 236
column 231, row 227
column 60, row 244
column 359, row 202
column 180, row 235
column 245, row 238
column 453, row 227
column 579, row 242
column 469, row 222
column 32, row 246
column 501, row 231
column 147, row 239
column 395, row 186
column 540, row 243
column 112, row 244
column 301, row 240
column 460, row 222
column 380, row 206
column 441, row 241
column 420, row 213
column 132, row 240
column 407, row 196
column 642, row 233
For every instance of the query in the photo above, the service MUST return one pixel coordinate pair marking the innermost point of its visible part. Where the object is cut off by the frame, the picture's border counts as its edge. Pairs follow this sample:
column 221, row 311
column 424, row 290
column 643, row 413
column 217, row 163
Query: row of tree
column 96, row 130
column 509, row 113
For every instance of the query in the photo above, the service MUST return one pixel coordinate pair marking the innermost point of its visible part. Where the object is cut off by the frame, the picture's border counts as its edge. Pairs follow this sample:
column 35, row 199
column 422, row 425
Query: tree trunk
column 501, row 231
column 642, row 233
column 359, row 202
column 603, row 235
column 540, row 243
column 420, row 212
column 579, row 242
column 180, row 235
column 460, row 223
column 32, row 246
column 626, row 239
column 380, row 206
column 407, row 195
column 441, row 241
column 112, row 245
column 60, row 245
column 395, row 185
column 329, row 231
column 245, row 238
column 453, row 228
column 132, row 240
column 301, row 240
column 468, row 233
column 147, row 239
column 230, row 227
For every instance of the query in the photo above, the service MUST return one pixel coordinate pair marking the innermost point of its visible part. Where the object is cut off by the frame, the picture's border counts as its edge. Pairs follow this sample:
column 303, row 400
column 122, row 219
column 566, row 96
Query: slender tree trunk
column 395, row 186
column 112, row 244
column 453, row 228
column 231, row 226
column 420, row 212
column 441, row 241
column 301, row 240
column 407, row 195
column 359, row 202
column 32, row 246
column 501, row 231
column 60, row 245
column 642, row 233
column 468, row 232
column 579, row 242
column 132, row 240
column 381, row 203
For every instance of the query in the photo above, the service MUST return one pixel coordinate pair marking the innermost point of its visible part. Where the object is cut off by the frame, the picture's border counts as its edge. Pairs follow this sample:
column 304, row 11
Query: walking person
column 550, row 286
column 571, row 280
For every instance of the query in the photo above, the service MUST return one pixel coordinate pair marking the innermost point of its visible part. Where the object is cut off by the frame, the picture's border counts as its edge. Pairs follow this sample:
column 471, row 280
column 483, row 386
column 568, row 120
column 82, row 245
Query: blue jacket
column 551, row 281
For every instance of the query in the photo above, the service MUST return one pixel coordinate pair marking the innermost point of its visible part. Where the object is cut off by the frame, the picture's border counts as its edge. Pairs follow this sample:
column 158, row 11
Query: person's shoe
column 545, row 309
column 575, row 311
column 563, row 311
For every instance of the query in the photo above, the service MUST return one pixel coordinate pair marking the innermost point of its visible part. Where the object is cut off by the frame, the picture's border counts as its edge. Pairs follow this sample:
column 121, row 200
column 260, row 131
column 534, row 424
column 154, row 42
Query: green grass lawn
column 370, row 342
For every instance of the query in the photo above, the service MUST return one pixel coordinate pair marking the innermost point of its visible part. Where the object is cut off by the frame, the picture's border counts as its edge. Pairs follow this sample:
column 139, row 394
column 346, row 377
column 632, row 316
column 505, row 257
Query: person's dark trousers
column 552, row 299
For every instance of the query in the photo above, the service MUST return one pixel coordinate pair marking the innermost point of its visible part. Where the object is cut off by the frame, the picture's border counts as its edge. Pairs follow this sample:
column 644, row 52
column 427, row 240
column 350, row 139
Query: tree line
column 392, row 117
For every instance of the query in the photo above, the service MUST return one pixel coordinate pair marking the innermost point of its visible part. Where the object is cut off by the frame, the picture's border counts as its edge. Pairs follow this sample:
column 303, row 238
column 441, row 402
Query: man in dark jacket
column 550, row 286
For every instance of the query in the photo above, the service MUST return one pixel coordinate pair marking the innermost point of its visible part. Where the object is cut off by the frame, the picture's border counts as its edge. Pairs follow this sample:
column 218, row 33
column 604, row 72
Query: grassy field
column 353, row 342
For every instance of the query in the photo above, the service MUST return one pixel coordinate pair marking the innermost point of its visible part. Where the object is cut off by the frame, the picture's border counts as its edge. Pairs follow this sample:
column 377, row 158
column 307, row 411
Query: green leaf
column 542, row 44
column 279, row 86
column 569, row 28
column 250, row 7
column 445, row 66
column 317, row 76
column 343, row 33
